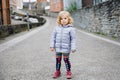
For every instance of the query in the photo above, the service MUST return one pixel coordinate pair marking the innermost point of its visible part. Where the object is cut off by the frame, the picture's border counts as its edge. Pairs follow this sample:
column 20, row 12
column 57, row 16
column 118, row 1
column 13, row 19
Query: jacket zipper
column 61, row 38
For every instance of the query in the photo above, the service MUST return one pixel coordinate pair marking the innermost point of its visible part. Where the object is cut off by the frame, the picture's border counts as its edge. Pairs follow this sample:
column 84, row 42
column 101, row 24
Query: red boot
column 68, row 75
column 56, row 74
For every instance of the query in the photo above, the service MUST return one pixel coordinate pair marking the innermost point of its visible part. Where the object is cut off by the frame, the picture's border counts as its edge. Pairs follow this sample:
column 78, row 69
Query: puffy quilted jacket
column 63, row 39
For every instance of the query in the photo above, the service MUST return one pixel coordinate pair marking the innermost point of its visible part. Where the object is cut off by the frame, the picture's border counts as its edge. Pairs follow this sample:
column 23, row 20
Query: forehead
column 64, row 16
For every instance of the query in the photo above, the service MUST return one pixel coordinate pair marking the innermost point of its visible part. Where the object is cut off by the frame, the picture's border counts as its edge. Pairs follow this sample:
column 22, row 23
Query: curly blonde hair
column 66, row 13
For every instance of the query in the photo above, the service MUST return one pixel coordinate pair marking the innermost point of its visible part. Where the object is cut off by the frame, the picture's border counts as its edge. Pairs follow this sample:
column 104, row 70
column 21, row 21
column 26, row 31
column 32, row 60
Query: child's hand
column 52, row 49
column 73, row 51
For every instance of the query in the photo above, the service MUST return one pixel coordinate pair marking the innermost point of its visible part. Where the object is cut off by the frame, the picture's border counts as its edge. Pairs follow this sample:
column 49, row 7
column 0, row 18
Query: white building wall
column 99, row 1
column 18, row 4
column 104, row 0
column 67, row 3
column 79, row 4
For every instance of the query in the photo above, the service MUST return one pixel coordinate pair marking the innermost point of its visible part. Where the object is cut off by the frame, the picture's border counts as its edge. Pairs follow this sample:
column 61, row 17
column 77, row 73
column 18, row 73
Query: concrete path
column 28, row 57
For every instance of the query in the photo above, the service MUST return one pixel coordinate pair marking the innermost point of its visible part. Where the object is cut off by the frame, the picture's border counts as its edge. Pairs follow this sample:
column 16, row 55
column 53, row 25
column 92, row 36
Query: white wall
column 99, row 1
column 104, row 0
column 67, row 3
column 19, row 4
column 79, row 4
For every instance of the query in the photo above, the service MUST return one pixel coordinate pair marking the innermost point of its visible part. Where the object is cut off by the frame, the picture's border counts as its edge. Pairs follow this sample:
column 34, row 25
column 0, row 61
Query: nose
column 63, row 19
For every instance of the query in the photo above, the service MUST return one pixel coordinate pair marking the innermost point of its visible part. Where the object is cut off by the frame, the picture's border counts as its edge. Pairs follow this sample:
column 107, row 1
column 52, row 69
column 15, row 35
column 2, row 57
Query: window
column 104, row 0
column 98, row 1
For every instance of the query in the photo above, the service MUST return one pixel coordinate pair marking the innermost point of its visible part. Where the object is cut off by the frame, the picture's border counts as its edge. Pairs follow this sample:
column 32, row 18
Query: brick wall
column 86, row 3
column 38, row 1
column 56, row 5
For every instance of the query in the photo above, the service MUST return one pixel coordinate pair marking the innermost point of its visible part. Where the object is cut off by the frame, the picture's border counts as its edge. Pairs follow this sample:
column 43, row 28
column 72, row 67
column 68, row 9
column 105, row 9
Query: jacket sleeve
column 52, row 41
column 73, row 39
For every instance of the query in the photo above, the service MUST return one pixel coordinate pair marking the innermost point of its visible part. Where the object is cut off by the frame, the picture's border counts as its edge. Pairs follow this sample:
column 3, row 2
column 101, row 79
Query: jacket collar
column 69, row 25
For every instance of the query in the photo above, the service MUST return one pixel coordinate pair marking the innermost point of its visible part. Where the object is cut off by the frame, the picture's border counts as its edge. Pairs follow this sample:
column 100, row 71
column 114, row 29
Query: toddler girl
column 63, row 42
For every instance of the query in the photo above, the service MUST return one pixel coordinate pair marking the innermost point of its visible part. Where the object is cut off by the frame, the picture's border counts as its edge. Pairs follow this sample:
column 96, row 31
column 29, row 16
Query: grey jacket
column 63, row 39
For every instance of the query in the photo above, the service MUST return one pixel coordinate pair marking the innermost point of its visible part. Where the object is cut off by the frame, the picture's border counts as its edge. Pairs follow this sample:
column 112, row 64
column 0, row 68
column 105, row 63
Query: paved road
column 27, row 57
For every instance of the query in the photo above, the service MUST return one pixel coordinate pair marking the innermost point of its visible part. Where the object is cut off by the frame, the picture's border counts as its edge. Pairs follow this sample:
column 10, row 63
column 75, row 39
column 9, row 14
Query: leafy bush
column 72, row 7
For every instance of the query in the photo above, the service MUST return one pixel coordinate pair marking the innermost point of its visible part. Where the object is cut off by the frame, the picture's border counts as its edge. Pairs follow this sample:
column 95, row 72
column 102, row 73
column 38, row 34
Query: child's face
column 64, row 20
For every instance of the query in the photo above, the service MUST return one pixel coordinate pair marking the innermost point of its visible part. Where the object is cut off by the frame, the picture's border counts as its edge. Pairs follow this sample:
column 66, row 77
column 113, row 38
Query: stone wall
column 103, row 18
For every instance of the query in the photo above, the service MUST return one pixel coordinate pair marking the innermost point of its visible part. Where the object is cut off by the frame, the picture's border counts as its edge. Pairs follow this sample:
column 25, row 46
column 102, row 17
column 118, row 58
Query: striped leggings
column 66, row 60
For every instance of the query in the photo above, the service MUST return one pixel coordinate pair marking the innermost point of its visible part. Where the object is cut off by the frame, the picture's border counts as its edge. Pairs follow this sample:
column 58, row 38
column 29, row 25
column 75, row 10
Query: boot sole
column 69, row 78
column 56, row 77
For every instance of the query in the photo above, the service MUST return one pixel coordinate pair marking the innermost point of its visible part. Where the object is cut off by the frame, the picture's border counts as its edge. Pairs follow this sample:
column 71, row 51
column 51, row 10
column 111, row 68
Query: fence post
column 27, row 14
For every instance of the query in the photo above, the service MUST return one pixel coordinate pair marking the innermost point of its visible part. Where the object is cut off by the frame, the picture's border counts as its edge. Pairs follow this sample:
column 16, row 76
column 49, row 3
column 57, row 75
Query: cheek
column 61, row 21
column 67, row 21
